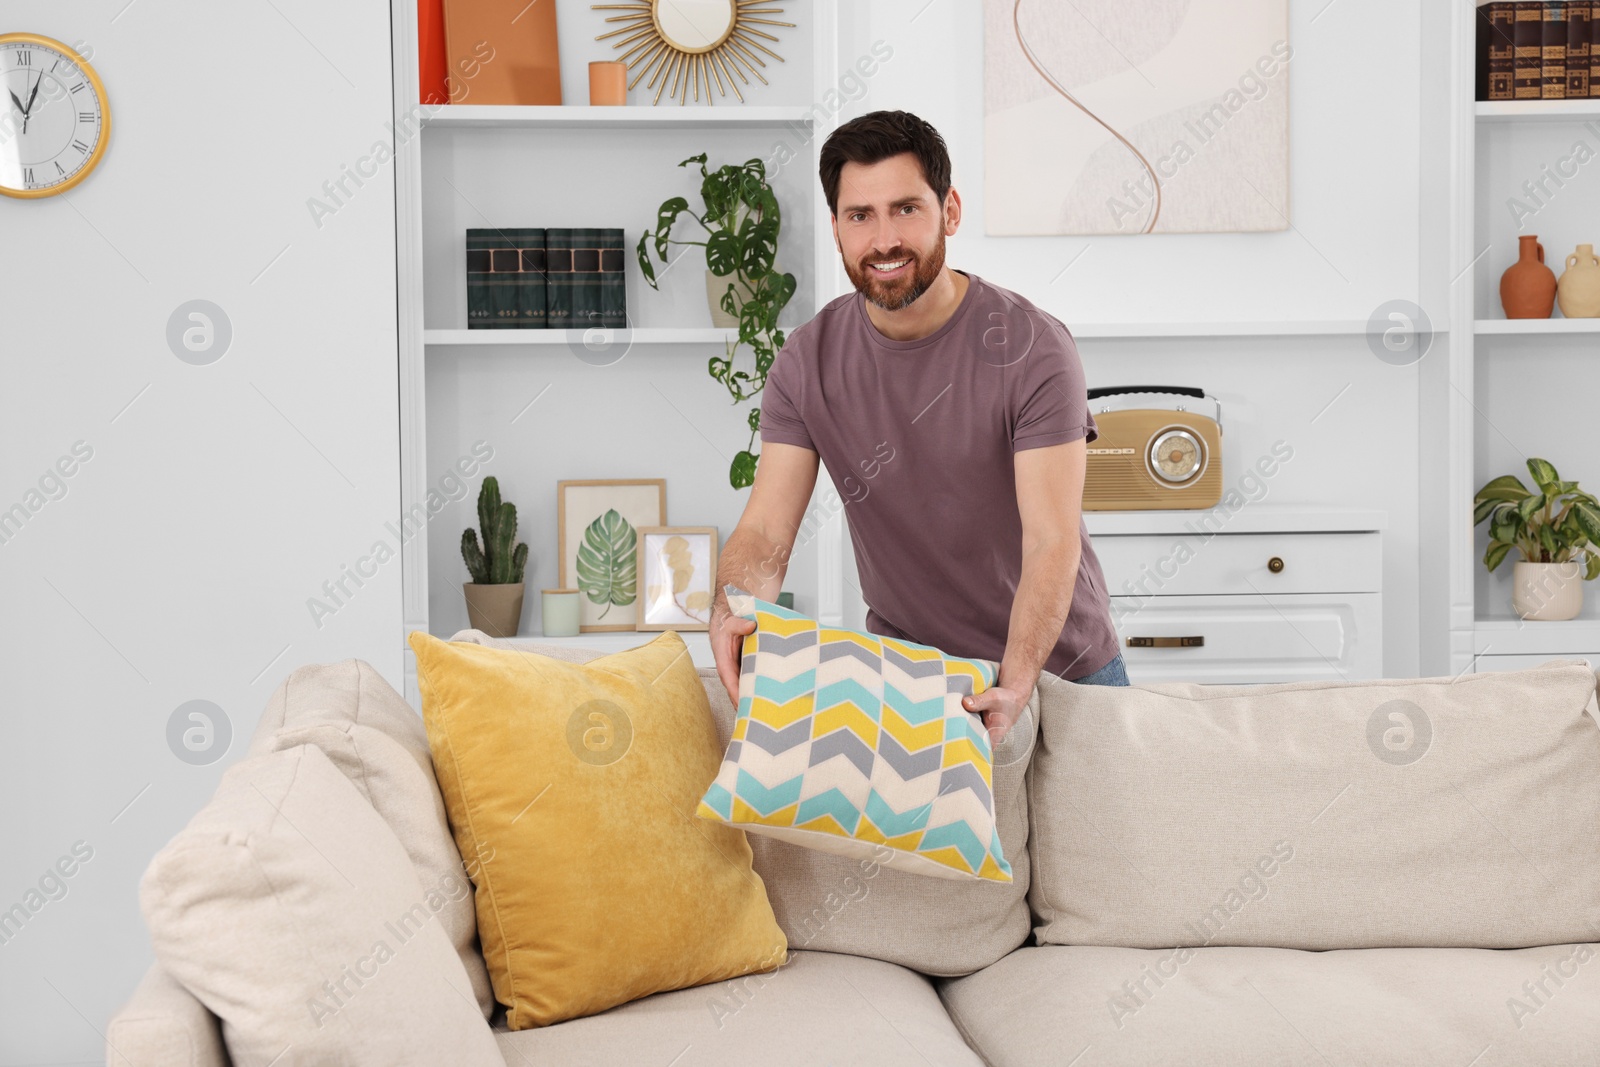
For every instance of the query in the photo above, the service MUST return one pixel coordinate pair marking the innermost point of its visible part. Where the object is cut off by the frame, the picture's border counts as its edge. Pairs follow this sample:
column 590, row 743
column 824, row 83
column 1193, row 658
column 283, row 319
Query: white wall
column 178, row 562
column 1354, row 126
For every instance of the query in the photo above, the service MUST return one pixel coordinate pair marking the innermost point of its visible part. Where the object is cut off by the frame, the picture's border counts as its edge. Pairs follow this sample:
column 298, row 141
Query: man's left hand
column 999, row 707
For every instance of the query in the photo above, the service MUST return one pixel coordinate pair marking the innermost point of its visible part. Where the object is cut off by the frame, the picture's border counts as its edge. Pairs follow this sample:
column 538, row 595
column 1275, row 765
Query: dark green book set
column 546, row 278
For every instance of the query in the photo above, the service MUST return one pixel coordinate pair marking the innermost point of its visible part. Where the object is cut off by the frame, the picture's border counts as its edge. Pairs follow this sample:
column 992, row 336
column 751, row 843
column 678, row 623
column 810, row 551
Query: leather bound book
column 1528, row 45
column 585, row 283
column 479, row 264
column 1553, row 83
column 503, row 51
column 1579, row 16
column 1499, row 24
column 534, row 299
column 558, row 278
column 1594, row 50
column 613, row 278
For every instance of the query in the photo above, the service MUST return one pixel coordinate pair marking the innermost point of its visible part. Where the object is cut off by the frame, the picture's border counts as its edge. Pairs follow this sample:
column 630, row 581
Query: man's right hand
column 727, row 644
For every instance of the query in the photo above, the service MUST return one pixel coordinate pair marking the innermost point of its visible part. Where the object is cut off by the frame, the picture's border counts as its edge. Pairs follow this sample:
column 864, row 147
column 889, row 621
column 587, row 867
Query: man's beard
column 901, row 292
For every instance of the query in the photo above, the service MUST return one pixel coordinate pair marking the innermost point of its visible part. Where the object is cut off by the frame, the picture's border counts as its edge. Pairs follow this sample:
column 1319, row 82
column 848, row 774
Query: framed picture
column 597, row 520
column 677, row 573
column 1118, row 118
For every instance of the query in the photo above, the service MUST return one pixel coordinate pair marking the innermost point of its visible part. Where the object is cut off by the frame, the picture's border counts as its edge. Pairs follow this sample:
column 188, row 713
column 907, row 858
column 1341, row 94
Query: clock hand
column 20, row 109
column 28, row 111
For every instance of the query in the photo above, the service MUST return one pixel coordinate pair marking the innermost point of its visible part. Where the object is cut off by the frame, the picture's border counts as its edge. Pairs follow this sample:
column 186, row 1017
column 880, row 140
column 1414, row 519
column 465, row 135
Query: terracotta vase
column 1579, row 290
column 1528, row 289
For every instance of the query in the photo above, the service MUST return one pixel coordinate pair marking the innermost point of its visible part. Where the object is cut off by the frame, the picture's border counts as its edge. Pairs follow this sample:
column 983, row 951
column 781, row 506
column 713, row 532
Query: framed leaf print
column 597, row 522
column 677, row 571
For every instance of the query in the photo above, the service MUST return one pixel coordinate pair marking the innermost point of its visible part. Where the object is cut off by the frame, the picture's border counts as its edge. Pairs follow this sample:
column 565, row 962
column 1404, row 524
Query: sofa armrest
column 163, row 1025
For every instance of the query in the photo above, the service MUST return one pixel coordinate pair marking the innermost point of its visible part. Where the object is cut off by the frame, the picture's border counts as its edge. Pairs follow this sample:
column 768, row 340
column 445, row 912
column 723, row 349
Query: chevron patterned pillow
column 857, row 744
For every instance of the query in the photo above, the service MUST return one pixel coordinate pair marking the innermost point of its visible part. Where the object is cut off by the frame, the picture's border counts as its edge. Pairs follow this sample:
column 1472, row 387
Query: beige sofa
column 1401, row 872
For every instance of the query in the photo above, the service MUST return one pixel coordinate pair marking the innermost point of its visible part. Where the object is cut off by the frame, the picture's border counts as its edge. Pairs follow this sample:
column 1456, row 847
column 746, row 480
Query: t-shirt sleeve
column 782, row 399
column 1054, row 401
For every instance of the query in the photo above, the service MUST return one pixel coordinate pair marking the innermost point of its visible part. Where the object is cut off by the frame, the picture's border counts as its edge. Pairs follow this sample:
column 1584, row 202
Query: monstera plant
column 742, row 223
column 1555, row 527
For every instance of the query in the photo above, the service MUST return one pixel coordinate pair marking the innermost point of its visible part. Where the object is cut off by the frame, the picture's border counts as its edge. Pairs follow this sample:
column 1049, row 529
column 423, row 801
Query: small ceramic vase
column 1579, row 290
column 1528, row 289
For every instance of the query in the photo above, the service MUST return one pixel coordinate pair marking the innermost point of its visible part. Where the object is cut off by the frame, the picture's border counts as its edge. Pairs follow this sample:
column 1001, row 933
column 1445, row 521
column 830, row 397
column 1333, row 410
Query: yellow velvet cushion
column 571, row 790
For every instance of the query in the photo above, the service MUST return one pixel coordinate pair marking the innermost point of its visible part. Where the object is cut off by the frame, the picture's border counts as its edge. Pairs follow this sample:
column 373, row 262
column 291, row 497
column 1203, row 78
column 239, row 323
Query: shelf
column 630, row 117
column 693, row 335
column 1251, row 518
column 1537, row 327
column 662, row 336
column 1511, row 636
column 1538, row 110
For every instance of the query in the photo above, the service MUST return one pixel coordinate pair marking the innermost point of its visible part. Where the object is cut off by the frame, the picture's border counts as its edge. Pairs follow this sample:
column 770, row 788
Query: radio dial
column 1176, row 456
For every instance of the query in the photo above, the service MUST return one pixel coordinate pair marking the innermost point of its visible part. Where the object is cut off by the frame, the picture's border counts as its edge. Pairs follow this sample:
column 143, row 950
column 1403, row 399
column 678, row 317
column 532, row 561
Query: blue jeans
column 1113, row 673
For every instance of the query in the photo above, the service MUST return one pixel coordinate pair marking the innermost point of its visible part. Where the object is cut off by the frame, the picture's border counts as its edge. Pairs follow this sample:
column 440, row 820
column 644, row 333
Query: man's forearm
column 1039, row 611
column 753, row 562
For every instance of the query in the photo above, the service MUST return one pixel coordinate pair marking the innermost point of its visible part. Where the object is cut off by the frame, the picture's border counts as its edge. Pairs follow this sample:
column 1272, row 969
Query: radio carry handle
column 1179, row 390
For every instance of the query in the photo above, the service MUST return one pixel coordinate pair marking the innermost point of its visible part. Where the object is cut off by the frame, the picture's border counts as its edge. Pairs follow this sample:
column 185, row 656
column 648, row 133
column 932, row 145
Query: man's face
column 888, row 214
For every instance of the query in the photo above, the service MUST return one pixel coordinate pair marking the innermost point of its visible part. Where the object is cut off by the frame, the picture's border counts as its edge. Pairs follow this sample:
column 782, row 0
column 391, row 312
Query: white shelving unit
column 487, row 135
column 1510, row 381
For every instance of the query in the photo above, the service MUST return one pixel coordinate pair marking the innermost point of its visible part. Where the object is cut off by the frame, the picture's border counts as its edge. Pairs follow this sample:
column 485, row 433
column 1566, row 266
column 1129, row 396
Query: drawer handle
column 1275, row 564
column 1166, row 642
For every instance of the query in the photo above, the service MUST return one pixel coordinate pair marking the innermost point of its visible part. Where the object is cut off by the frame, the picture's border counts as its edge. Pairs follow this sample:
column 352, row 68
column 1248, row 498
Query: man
column 954, row 420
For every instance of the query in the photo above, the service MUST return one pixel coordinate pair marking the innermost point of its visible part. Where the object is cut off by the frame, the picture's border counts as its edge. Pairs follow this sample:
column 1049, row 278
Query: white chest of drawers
column 1264, row 593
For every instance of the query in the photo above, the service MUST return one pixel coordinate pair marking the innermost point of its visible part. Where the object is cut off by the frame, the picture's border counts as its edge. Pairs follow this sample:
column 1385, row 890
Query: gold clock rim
column 105, row 116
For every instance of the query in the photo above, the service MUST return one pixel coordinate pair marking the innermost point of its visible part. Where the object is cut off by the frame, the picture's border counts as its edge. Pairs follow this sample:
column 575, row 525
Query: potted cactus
column 1555, row 527
column 494, row 596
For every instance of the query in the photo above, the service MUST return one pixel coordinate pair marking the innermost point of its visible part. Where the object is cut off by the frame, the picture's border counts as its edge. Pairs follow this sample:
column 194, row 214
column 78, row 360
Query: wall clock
column 54, row 118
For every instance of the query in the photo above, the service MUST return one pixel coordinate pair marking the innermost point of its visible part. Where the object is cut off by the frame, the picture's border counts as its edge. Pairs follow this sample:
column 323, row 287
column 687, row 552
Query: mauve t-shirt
column 918, row 437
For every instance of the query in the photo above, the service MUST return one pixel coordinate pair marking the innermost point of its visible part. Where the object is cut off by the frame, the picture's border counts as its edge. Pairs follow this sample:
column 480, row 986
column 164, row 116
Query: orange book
column 502, row 51
column 430, row 53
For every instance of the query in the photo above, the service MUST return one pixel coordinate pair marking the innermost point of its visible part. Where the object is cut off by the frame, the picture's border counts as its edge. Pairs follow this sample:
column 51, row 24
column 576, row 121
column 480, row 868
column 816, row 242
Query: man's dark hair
column 875, row 137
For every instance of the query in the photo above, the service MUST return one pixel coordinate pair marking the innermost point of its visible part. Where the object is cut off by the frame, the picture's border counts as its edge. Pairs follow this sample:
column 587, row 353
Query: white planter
column 1547, row 592
column 715, row 287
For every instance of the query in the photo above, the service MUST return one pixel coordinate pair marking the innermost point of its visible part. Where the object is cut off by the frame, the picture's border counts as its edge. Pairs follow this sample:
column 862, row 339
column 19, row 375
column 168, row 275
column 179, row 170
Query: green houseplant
column 742, row 223
column 494, row 596
column 1556, row 528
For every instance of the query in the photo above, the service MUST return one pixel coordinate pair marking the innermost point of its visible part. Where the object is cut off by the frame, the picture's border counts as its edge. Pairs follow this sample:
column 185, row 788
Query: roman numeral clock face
column 54, row 122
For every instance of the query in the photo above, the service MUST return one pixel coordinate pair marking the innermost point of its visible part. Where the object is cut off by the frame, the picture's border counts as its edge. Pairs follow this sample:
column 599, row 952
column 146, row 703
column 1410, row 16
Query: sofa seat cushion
column 1239, row 1007
column 818, row 1008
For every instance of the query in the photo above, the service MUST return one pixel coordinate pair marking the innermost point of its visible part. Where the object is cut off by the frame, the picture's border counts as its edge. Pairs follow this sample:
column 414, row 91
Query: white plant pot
column 1547, row 592
column 715, row 287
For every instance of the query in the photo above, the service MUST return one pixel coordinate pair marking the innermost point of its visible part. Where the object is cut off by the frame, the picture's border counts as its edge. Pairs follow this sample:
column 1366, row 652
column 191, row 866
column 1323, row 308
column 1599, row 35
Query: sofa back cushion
column 1431, row 812
column 290, row 910
column 374, row 737
column 859, row 906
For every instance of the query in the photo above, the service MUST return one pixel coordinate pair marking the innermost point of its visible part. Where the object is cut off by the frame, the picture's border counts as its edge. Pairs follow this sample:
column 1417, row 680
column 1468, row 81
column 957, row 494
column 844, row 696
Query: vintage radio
column 1151, row 458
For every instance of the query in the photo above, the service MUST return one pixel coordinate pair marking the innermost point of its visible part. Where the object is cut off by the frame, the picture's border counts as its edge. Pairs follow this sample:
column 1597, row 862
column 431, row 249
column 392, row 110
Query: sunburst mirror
column 693, row 42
